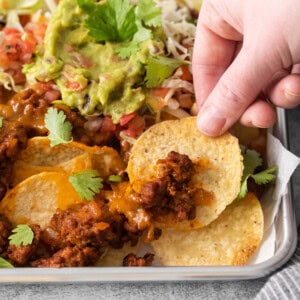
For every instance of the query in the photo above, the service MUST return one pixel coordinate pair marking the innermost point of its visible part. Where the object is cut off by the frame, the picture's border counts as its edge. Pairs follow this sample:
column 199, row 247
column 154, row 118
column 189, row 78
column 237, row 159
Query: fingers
column 236, row 90
column 213, row 51
column 209, row 62
column 286, row 92
column 259, row 114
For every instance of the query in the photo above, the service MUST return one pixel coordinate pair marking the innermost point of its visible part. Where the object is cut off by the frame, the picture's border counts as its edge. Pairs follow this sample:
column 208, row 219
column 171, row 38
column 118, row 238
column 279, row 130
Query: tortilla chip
column 36, row 199
column 114, row 257
column 218, row 163
column 193, row 4
column 23, row 170
column 71, row 157
column 230, row 240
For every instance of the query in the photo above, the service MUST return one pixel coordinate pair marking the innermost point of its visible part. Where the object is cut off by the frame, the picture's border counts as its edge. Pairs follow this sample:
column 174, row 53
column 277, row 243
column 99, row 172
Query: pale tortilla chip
column 114, row 257
column 218, row 163
column 193, row 4
column 70, row 158
column 230, row 240
column 36, row 199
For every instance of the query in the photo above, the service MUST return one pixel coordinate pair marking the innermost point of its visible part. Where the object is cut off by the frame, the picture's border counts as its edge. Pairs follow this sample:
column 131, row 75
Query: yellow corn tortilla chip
column 229, row 240
column 37, row 198
column 218, row 163
column 71, row 157
column 23, row 170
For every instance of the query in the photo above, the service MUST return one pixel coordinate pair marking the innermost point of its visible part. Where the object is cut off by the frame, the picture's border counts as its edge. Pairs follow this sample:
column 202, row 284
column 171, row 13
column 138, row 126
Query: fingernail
column 293, row 98
column 211, row 121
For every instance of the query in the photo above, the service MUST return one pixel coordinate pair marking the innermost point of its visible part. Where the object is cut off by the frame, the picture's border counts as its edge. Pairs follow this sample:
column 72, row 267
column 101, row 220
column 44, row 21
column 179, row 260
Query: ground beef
column 21, row 255
column 171, row 193
column 79, row 235
column 178, row 167
column 69, row 257
column 86, row 134
column 131, row 260
column 154, row 192
column 13, row 137
column 5, row 177
column 5, row 231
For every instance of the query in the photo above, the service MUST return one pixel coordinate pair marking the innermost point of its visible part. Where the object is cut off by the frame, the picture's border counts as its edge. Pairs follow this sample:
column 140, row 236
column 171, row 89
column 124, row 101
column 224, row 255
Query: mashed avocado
column 91, row 76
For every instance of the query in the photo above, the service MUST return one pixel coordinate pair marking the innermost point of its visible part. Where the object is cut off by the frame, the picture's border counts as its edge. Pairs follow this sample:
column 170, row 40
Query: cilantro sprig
column 122, row 22
column 5, row 264
column 22, row 235
column 60, row 130
column 112, row 21
column 253, row 160
column 86, row 183
column 159, row 68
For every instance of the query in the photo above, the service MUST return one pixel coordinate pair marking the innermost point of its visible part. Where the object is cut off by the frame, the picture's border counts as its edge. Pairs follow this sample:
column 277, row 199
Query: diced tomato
column 161, row 92
column 126, row 118
column 17, row 49
column 186, row 74
column 135, row 127
column 73, row 85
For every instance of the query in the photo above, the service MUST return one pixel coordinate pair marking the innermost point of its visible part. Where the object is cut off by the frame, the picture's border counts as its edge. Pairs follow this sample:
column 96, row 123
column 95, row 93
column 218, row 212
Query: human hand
column 246, row 51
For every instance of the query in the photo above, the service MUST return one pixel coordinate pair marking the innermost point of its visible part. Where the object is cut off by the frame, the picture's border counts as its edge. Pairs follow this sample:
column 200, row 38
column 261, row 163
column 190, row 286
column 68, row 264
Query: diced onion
column 127, row 138
column 178, row 83
column 178, row 113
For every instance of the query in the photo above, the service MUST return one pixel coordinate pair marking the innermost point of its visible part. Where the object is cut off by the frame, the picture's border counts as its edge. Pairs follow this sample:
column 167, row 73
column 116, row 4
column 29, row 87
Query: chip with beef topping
column 217, row 161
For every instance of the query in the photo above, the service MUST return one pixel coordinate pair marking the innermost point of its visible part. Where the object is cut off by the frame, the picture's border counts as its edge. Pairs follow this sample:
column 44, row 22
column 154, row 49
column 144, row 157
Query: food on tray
column 99, row 153
column 72, row 157
column 217, row 163
column 229, row 240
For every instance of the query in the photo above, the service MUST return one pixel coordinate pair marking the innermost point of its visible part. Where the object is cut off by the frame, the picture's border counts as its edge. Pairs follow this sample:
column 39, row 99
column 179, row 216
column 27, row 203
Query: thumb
column 236, row 89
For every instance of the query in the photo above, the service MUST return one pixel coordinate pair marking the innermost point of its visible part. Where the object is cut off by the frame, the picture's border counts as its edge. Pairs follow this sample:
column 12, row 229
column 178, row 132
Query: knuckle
column 233, row 99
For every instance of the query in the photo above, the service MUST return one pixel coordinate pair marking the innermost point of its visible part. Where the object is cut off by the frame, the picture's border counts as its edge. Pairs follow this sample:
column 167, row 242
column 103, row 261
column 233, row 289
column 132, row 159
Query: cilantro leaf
column 149, row 13
column 265, row 176
column 111, row 21
column 160, row 68
column 60, row 130
column 252, row 160
column 5, row 264
column 244, row 188
column 115, row 178
column 1, row 122
column 86, row 183
column 128, row 49
column 142, row 34
column 22, row 235
column 86, row 5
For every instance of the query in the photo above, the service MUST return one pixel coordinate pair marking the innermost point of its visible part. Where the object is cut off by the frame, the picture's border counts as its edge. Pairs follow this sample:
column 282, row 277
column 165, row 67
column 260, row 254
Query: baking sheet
column 278, row 246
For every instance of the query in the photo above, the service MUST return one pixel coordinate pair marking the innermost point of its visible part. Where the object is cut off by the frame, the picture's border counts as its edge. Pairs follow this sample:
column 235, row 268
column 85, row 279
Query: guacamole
column 90, row 75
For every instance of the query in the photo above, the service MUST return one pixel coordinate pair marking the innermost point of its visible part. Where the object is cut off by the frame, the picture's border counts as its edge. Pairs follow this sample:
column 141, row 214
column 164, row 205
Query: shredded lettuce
column 7, row 81
column 20, row 6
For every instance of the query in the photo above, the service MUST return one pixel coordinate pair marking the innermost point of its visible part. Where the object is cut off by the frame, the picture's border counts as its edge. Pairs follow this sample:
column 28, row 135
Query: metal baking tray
column 286, row 239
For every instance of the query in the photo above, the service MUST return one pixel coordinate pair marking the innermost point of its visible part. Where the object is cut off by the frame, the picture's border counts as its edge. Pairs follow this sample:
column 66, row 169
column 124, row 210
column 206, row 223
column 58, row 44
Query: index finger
column 213, row 52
